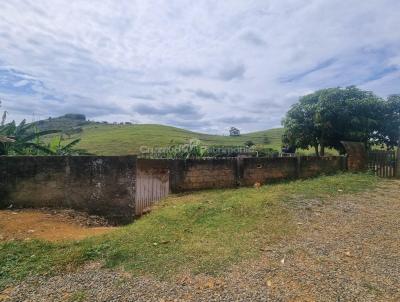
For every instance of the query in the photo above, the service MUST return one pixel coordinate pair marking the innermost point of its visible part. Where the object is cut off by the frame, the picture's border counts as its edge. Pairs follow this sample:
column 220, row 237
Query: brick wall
column 195, row 174
column 98, row 185
column 232, row 172
column 264, row 170
column 107, row 186
column 311, row 166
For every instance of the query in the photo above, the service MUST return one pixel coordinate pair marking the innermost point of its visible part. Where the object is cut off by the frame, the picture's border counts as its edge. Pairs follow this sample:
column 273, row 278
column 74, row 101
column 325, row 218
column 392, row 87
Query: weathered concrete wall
column 156, row 167
column 195, row 174
column 311, row 166
column 98, row 185
column 232, row 172
column 264, row 170
column 120, row 187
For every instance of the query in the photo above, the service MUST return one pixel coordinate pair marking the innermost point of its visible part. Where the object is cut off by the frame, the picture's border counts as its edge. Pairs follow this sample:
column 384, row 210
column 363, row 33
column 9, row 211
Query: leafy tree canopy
column 326, row 117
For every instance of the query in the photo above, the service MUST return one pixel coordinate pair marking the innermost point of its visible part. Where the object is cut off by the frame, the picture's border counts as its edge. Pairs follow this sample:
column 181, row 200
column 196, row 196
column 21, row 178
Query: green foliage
column 263, row 151
column 249, row 143
column 266, row 140
column 326, row 117
column 22, row 139
column 25, row 139
column 390, row 133
column 56, row 147
column 193, row 149
column 204, row 232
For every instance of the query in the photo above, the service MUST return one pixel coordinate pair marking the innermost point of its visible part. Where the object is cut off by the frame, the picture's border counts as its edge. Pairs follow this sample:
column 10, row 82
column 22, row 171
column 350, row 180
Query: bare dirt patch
column 50, row 225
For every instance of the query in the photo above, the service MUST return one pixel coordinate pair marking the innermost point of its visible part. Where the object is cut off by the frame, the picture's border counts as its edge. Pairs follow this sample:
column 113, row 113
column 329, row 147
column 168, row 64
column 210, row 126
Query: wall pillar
column 357, row 156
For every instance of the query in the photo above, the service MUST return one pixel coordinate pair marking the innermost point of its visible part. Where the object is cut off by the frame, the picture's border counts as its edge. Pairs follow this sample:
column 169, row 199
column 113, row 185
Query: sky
column 200, row 65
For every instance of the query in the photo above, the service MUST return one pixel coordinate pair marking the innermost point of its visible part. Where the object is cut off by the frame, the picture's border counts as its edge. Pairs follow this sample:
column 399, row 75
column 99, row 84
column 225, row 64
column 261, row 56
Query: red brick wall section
column 311, row 166
column 195, row 174
column 264, row 170
column 187, row 175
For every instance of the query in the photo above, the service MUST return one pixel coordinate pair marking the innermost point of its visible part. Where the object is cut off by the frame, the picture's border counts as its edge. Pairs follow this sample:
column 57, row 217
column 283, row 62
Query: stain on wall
column 98, row 185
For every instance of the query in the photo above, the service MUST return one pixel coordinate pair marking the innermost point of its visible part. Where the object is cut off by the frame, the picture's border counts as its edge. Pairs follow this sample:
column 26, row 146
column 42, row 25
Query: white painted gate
column 151, row 186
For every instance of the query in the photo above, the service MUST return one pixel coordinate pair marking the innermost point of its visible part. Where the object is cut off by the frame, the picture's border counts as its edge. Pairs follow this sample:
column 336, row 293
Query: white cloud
column 231, row 60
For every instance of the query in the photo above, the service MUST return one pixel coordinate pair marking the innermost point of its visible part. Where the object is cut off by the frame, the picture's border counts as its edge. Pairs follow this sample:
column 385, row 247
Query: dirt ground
column 48, row 225
column 347, row 249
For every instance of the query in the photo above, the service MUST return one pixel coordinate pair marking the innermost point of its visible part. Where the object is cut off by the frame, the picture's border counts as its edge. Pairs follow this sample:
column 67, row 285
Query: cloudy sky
column 202, row 65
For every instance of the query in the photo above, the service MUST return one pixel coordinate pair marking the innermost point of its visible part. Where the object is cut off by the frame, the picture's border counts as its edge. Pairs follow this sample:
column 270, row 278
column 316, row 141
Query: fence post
column 397, row 171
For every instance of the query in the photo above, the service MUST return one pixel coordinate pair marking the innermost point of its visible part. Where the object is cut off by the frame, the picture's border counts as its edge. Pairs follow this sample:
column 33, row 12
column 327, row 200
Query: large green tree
column 390, row 133
column 326, row 117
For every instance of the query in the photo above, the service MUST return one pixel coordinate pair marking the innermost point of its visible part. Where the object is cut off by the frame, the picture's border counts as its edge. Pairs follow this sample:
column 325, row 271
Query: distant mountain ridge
column 63, row 123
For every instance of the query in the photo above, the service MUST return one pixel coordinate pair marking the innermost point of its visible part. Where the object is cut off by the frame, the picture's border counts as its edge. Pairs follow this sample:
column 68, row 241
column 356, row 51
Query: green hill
column 121, row 139
column 105, row 139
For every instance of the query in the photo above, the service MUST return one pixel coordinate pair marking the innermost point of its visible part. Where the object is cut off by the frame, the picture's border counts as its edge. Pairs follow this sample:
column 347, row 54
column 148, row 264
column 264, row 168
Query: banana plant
column 57, row 148
column 23, row 139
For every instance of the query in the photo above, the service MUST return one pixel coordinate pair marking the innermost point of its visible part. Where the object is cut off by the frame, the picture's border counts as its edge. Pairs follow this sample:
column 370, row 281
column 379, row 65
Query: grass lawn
column 203, row 232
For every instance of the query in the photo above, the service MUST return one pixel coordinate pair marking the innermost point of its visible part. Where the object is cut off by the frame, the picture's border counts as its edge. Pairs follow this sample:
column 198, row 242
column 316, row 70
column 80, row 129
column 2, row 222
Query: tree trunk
column 322, row 153
column 316, row 150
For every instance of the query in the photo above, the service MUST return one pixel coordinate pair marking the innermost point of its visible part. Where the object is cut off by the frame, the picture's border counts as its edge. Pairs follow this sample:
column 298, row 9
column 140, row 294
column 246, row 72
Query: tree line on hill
column 326, row 117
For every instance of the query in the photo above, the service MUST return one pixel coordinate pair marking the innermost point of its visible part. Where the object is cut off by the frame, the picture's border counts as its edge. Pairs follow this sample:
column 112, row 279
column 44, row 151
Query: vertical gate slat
column 151, row 186
column 382, row 163
column 383, row 159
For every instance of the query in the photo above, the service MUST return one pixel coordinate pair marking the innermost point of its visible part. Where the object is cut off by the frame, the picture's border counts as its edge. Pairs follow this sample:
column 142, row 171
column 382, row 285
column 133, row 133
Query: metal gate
column 151, row 186
column 382, row 163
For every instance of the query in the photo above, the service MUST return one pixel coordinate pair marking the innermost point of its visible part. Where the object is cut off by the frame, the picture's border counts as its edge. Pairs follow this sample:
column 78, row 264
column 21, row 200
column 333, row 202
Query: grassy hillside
column 127, row 139
column 122, row 139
